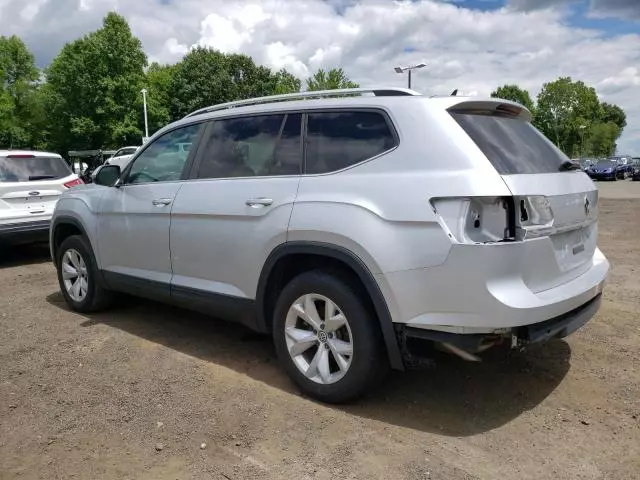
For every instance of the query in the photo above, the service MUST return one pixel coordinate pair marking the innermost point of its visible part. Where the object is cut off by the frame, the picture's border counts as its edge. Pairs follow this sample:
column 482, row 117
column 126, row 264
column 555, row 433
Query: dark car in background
column 604, row 170
column 635, row 175
column 624, row 168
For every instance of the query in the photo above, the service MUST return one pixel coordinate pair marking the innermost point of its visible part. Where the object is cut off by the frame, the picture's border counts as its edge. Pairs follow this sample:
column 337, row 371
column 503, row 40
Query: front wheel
column 78, row 276
column 326, row 338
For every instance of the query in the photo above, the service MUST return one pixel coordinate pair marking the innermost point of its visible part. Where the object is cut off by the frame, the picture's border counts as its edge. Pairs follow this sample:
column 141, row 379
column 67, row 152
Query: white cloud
column 467, row 49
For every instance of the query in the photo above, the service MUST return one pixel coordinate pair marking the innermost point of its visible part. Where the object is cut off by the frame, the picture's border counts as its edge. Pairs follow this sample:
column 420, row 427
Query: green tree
column 563, row 107
column 207, row 77
column 332, row 79
column 159, row 84
column 601, row 139
column 613, row 113
column 94, row 88
column 515, row 94
column 18, row 94
column 285, row 82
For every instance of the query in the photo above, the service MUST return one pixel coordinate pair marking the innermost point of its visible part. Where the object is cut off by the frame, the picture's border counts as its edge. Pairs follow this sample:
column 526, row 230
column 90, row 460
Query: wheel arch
column 63, row 227
column 325, row 255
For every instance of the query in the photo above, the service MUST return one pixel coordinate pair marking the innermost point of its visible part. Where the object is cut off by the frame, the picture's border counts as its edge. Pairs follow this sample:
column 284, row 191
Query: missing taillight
column 476, row 219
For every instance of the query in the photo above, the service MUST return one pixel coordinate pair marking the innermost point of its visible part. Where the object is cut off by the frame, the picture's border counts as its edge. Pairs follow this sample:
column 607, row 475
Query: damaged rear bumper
column 468, row 345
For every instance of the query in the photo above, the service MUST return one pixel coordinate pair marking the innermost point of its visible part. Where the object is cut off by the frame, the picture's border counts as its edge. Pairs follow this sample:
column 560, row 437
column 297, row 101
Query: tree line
column 89, row 97
column 570, row 114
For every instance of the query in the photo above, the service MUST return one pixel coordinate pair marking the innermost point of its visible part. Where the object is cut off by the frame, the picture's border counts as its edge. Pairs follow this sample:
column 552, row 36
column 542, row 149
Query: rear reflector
column 74, row 183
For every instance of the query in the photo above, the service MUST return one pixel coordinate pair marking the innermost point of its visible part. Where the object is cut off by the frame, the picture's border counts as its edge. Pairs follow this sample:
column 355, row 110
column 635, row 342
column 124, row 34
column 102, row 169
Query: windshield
column 607, row 164
column 513, row 146
column 25, row 169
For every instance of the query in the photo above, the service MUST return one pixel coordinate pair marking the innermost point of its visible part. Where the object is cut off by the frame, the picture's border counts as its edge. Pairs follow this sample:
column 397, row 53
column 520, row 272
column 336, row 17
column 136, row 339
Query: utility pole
column 408, row 70
column 582, row 127
column 146, row 123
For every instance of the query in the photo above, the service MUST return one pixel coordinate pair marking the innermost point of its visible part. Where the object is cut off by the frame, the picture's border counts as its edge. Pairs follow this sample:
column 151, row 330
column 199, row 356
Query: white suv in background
column 30, row 185
column 357, row 227
column 122, row 156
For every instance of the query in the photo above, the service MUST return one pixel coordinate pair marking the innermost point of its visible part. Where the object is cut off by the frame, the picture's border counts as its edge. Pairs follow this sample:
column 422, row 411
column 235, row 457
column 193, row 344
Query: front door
column 236, row 208
column 133, row 226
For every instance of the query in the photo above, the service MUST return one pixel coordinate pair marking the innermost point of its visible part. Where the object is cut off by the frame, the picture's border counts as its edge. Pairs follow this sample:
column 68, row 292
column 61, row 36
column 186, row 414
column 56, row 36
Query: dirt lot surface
column 137, row 392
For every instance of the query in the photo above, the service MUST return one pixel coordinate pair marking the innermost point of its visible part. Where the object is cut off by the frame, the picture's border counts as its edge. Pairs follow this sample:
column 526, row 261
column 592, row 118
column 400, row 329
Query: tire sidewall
column 368, row 354
column 79, row 244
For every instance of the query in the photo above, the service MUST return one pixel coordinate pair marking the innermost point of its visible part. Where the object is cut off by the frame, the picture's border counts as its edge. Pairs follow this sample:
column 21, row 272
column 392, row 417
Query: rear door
column 553, row 200
column 30, row 186
column 236, row 207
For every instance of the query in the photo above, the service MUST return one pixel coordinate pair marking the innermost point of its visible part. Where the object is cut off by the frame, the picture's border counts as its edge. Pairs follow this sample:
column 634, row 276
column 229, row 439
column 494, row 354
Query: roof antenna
column 454, row 93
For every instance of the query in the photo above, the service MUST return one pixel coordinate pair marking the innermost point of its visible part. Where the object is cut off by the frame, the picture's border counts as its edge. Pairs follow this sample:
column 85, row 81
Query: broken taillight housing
column 493, row 219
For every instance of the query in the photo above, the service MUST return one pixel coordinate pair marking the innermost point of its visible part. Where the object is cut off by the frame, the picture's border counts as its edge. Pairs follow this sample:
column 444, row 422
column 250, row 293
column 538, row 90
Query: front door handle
column 161, row 202
column 259, row 202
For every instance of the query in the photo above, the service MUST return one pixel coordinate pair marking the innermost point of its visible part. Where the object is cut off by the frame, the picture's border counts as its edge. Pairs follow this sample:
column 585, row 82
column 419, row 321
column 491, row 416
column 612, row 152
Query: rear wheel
column 327, row 339
column 78, row 276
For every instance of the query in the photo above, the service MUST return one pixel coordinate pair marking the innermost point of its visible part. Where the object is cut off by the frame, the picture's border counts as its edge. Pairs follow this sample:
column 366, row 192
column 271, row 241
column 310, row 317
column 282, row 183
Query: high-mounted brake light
column 20, row 155
column 74, row 183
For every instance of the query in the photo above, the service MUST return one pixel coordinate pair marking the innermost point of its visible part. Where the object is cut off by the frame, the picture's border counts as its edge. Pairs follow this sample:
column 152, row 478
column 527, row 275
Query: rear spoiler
column 494, row 106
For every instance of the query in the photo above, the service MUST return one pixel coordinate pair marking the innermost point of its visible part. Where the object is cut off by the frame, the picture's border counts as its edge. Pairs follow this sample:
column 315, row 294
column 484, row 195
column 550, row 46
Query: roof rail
column 378, row 92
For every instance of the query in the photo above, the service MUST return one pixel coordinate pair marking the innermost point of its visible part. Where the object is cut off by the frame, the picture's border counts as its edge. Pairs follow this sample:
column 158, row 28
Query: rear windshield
column 25, row 169
column 512, row 145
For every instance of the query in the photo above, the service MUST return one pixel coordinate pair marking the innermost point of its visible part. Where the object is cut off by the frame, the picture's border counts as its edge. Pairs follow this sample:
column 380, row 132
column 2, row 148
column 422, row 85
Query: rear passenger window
column 264, row 145
column 336, row 140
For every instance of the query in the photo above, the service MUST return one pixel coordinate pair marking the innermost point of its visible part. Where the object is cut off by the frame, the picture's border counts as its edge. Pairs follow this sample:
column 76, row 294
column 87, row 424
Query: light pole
column 408, row 69
column 146, row 124
column 582, row 127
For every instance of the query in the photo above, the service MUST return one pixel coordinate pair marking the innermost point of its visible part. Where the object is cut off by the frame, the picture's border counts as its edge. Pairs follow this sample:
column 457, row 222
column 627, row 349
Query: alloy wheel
column 74, row 275
column 319, row 339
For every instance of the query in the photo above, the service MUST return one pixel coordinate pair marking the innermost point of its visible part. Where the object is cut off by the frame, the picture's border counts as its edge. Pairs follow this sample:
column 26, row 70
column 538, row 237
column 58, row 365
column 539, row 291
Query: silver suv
column 358, row 227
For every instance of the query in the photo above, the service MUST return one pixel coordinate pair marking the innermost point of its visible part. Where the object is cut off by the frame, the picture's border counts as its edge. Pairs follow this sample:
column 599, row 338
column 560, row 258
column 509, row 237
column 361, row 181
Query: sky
column 471, row 45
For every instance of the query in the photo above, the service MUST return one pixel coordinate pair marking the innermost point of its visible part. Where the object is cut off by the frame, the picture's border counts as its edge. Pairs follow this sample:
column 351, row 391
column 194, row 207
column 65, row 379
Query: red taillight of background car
column 74, row 183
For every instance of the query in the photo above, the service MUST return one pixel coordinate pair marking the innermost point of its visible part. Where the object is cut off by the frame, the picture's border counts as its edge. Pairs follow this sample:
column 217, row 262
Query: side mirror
column 107, row 175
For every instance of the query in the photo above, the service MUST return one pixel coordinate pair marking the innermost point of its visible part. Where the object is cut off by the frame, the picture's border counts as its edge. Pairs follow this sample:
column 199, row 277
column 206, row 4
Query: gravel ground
column 151, row 392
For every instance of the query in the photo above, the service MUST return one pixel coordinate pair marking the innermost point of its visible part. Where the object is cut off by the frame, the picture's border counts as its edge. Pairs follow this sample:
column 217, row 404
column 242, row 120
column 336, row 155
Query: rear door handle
column 161, row 202
column 258, row 202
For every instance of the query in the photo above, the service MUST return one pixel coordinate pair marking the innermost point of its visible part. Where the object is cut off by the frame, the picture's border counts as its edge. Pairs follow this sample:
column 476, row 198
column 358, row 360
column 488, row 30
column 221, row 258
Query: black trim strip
column 25, row 227
column 140, row 287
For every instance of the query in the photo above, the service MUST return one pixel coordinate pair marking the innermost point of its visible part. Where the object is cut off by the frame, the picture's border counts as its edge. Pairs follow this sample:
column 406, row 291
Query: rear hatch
column 30, row 186
column 552, row 198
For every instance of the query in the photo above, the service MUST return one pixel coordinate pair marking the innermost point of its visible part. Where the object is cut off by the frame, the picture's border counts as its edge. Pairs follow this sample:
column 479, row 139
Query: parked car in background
column 604, row 170
column 348, row 224
column 624, row 168
column 586, row 163
column 636, row 169
column 30, row 185
column 122, row 156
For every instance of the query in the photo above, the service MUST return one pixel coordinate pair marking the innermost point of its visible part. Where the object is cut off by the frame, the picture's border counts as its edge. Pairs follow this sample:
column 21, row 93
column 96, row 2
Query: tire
column 360, row 370
column 95, row 297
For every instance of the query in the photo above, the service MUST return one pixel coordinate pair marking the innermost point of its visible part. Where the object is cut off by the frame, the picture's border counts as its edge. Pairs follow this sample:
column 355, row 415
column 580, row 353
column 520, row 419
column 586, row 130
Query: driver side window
column 164, row 160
